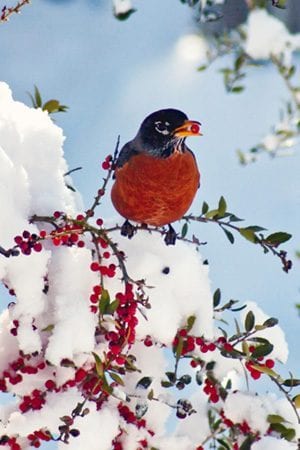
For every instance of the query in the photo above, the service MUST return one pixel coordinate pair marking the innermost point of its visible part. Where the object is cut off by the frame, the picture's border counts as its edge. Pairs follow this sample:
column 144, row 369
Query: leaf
column 190, row 322
column 254, row 228
column 38, row 98
column 248, row 234
column 217, row 297
column 249, row 321
column 144, row 383
column 51, row 106
column 166, row 384
column 116, row 378
column 278, row 238
column 124, row 15
column 179, row 348
column 264, row 369
column 239, row 62
column 229, row 235
column 291, row 382
column 297, row 401
column 275, row 418
column 246, row 445
column 112, row 307
column 201, row 68
column 150, row 394
column 205, row 208
column 212, row 214
column 171, row 376
column 99, row 365
column 222, row 206
column 104, row 301
column 262, row 350
column 237, row 89
column 141, row 409
column 184, row 230
column 271, row 322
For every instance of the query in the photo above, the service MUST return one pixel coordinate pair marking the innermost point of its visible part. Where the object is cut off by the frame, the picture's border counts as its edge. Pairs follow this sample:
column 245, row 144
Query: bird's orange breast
column 156, row 191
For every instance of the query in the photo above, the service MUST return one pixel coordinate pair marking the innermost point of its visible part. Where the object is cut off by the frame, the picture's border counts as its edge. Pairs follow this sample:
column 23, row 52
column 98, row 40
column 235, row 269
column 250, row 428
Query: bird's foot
column 171, row 235
column 127, row 229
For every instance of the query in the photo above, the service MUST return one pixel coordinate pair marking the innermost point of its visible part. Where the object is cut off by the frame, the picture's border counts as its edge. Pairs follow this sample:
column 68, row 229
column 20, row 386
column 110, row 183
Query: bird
column 156, row 176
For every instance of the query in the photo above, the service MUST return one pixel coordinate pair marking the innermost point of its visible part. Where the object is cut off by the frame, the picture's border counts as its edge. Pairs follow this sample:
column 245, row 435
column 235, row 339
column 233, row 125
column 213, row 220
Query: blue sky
column 112, row 74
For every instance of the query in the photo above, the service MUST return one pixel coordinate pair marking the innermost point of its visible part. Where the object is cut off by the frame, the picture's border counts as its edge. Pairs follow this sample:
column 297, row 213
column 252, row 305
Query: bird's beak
column 189, row 128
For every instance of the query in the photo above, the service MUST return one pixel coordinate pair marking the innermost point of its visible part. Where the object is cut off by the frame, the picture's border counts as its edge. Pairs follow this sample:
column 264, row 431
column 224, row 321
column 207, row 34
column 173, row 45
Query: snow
column 175, row 296
column 272, row 443
column 122, row 6
column 275, row 335
column 267, row 35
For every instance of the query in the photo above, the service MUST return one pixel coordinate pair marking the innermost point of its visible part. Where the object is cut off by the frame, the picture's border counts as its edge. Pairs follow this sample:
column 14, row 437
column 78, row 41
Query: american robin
column 156, row 174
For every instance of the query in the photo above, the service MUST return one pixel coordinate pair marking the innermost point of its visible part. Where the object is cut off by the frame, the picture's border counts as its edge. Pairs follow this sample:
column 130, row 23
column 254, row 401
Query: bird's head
column 163, row 129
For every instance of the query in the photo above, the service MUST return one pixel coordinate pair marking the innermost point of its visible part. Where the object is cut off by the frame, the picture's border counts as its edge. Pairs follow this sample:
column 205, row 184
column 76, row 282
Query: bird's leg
column 171, row 235
column 127, row 229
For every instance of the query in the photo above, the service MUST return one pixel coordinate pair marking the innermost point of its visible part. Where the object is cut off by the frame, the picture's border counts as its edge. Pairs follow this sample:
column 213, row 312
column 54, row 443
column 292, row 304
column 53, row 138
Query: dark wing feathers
column 125, row 154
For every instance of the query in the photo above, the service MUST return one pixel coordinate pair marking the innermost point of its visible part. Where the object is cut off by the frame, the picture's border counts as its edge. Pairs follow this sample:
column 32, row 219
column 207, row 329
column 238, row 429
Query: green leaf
column 229, row 235
column 144, row 383
column 205, row 208
column 262, row 350
column 222, row 207
column 246, row 445
column 278, row 238
column 249, row 321
column 116, row 378
column 166, row 384
column 297, row 401
column 239, row 62
column 201, row 68
column 150, row 394
column 237, row 90
column 271, row 322
column 99, row 365
column 291, row 382
column 264, row 369
column 104, row 301
column 254, row 228
column 275, row 418
column 248, row 234
column 190, row 322
column 51, row 106
column 217, row 297
column 112, row 307
column 38, row 98
column 184, row 230
column 179, row 348
column 171, row 376
column 212, row 214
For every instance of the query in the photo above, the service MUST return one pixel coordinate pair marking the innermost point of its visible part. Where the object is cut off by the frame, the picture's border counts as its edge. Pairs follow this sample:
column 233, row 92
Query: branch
column 7, row 12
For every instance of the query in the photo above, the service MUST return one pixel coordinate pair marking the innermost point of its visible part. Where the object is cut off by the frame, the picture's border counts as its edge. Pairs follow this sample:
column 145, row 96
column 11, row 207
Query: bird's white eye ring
column 162, row 127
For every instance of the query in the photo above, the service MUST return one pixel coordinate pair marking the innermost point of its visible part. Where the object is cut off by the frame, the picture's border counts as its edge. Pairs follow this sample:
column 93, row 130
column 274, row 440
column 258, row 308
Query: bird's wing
column 127, row 152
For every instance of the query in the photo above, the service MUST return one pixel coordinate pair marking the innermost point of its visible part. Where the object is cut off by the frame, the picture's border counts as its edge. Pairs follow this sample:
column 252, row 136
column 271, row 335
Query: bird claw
column 171, row 235
column 127, row 229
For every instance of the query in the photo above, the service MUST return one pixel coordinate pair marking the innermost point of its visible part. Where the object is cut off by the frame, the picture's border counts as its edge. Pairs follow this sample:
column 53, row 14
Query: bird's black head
column 162, row 130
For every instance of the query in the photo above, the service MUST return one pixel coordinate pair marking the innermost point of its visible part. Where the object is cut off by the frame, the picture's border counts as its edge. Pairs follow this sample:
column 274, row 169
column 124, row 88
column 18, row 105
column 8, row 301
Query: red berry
column 80, row 375
column 50, row 385
column 183, row 333
column 99, row 222
column 270, row 363
column 94, row 266
column 80, row 217
column 37, row 247
column 43, row 234
column 97, row 289
column 105, row 165
column 80, row 244
column 56, row 214
column 106, row 255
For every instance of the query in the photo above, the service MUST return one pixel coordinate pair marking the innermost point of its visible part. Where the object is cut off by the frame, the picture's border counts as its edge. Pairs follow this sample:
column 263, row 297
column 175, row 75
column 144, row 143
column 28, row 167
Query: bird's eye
column 162, row 127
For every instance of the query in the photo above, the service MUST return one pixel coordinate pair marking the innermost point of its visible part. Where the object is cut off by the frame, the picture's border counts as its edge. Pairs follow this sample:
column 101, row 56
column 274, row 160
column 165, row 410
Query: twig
column 7, row 12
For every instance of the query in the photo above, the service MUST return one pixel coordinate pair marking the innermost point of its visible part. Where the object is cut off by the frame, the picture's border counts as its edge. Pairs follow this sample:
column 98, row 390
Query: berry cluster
column 252, row 366
column 28, row 242
column 38, row 436
column 211, row 389
column 107, row 163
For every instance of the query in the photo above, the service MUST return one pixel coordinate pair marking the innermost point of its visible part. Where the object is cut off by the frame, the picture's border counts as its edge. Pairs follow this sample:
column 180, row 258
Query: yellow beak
column 189, row 128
